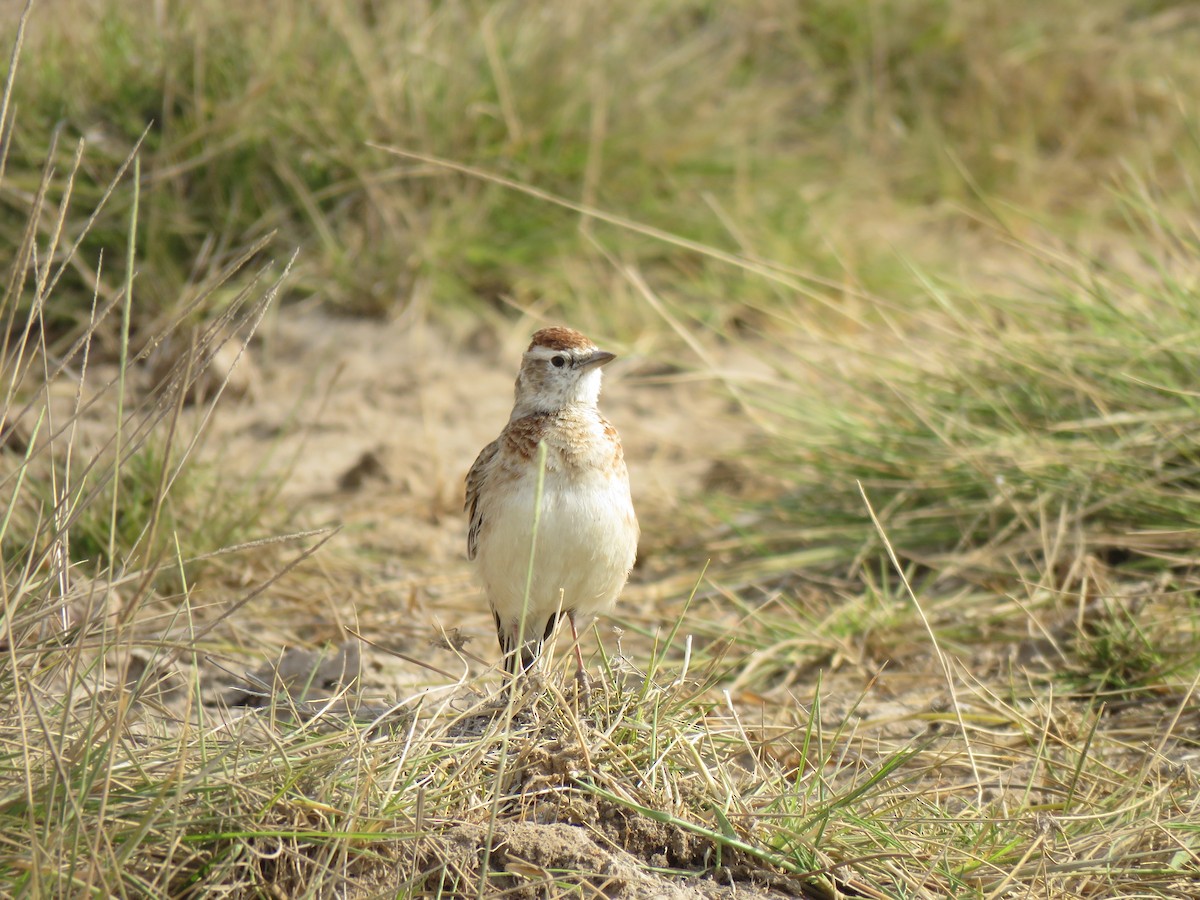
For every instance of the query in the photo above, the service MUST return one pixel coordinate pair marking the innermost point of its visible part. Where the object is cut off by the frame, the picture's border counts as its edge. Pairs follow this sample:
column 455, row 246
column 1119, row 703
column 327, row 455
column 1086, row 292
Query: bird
column 587, row 532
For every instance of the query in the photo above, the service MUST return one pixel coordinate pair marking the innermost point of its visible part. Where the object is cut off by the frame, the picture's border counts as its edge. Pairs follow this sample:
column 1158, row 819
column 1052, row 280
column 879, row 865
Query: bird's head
column 561, row 368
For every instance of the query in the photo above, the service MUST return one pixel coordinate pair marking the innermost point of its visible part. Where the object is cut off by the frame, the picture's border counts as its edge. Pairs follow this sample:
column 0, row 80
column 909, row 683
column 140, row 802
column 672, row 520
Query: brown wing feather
column 475, row 479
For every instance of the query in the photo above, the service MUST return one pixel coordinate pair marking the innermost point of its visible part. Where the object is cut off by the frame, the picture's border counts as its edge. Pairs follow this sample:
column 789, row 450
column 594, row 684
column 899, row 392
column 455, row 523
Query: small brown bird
column 587, row 534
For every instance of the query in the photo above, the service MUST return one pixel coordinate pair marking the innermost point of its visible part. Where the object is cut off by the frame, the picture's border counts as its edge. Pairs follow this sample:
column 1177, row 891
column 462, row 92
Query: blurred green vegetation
column 807, row 134
column 1076, row 401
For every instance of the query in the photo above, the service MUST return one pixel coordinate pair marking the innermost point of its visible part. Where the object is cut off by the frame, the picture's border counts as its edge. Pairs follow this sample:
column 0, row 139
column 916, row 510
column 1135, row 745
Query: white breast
column 586, row 543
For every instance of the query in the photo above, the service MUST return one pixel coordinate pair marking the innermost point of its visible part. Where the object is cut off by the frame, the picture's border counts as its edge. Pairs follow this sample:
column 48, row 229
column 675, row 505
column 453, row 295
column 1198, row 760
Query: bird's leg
column 514, row 651
column 525, row 652
column 575, row 636
column 585, row 688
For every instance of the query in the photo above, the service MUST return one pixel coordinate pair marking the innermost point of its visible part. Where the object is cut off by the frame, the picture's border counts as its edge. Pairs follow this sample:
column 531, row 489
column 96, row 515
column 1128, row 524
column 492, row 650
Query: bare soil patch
column 372, row 426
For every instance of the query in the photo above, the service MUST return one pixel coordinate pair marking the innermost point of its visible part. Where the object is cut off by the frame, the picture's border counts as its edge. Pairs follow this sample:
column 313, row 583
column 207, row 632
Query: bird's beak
column 597, row 359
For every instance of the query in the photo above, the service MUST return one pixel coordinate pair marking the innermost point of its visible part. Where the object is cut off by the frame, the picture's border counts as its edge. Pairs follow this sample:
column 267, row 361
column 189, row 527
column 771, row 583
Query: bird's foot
column 583, row 688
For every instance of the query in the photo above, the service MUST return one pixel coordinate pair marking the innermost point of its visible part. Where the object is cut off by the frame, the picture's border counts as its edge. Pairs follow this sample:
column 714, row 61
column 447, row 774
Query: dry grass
column 945, row 645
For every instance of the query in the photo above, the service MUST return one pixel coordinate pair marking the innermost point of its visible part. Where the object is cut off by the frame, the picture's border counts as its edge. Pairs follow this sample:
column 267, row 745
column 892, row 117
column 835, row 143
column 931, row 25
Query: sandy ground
column 372, row 426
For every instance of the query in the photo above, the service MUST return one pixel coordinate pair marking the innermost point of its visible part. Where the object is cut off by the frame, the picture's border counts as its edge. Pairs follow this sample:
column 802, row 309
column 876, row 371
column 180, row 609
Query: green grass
column 980, row 682
column 777, row 133
column 988, row 419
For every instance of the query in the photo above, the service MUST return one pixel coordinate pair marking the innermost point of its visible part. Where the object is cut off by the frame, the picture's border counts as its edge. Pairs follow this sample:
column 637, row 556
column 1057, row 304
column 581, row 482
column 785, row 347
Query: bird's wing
column 475, row 479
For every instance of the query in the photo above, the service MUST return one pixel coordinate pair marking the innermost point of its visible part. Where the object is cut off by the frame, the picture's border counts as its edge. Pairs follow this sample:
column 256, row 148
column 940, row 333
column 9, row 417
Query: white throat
column 541, row 391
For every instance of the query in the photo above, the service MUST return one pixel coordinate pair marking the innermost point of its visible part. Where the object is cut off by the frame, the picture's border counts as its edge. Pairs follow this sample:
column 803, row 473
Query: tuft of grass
column 103, row 517
column 990, row 423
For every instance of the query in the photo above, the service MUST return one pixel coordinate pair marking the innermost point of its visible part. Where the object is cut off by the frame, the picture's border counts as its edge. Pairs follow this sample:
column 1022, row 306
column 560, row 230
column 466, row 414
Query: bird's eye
column 558, row 362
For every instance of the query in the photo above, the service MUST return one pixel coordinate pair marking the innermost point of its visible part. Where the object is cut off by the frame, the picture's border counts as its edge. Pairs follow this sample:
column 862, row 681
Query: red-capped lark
column 587, row 533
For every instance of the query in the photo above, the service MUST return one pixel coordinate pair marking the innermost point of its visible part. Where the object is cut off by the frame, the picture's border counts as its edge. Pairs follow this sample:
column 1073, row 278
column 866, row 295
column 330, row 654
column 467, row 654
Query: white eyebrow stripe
column 550, row 352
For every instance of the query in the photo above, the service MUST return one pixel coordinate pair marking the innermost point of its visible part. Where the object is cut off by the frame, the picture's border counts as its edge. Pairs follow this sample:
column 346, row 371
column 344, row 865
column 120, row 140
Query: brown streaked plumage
column 587, row 538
